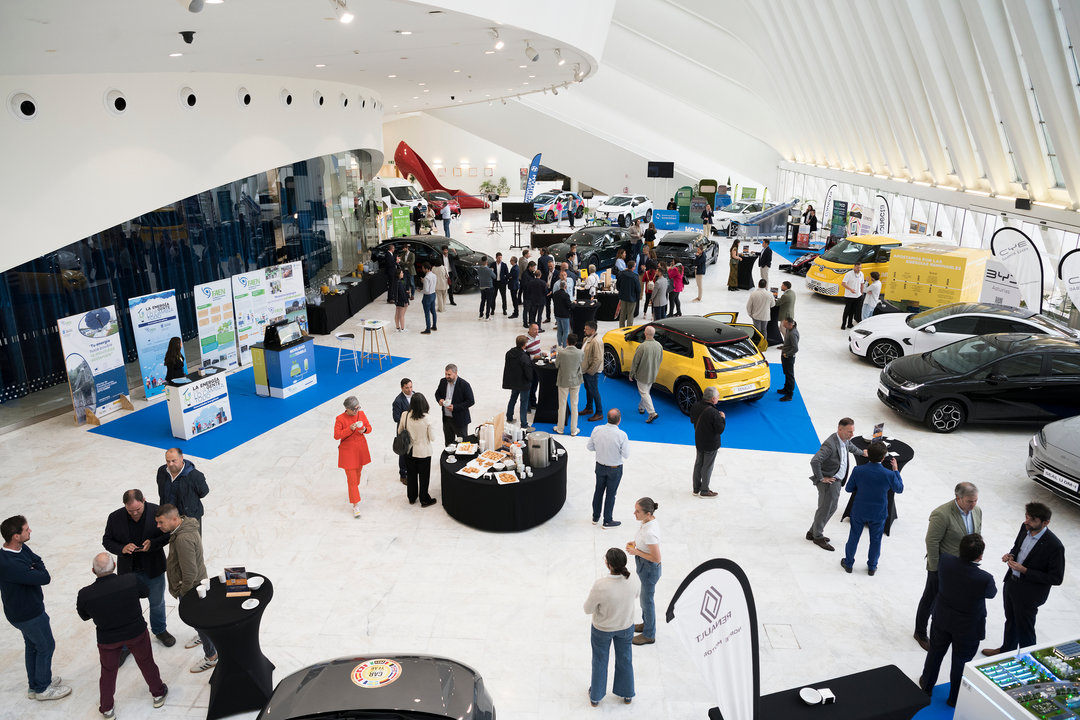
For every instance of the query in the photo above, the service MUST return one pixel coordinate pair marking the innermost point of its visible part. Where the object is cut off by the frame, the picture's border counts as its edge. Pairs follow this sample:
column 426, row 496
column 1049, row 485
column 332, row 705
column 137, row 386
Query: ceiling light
column 457, row 71
column 421, row 84
column 532, row 76
column 193, row 6
column 499, row 44
column 403, row 32
column 215, row 2
column 391, row 76
column 531, row 52
column 559, row 57
column 579, row 74
column 341, row 9
column 320, row 65
column 486, row 52
column 523, row 66
column 176, row 54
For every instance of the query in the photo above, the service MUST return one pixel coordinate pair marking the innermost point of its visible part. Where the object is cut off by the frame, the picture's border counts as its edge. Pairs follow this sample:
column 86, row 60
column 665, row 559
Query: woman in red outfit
column 350, row 427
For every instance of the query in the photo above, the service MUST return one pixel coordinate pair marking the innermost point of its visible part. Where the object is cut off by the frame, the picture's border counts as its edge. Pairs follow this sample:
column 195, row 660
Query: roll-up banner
column 94, row 357
column 250, row 309
column 1069, row 274
column 882, row 215
column 1018, row 253
column 155, row 322
column 999, row 285
column 826, row 207
column 714, row 616
column 530, row 183
column 217, row 328
column 285, row 299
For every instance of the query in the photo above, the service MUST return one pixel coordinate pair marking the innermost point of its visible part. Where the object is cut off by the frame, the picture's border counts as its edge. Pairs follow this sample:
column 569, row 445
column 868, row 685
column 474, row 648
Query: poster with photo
column 155, row 322
column 217, row 327
column 249, row 305
column 94, row 357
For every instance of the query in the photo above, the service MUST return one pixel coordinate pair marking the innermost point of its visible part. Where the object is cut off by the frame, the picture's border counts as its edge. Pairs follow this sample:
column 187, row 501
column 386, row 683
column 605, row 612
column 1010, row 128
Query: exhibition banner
column 249, row 306
column 1018, row 253
column 155, row 322
column 666, row 219
column 714, row 616
column 530, row 182
column 999, row 285
column 838, row 221
column 94, row 357
column 217, row 328
column 748, row 193
column 401, row 221
column 1069, row 273
column 203, row 406
column 826, row 207
column 882, row 215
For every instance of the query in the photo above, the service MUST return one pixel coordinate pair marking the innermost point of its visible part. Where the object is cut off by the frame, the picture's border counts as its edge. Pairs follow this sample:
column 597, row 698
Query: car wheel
column 884, row 352
column 687, row 393
column 550, row 217
column 458, row 285
column 648, row 216
column 946, row 416
column 611, row 362
column 624, row 221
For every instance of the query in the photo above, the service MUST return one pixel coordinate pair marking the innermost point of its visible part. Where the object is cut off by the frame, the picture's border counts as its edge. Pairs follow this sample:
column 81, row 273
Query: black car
column 402, row 687
column 428, row 248
column 681, row 247
column 595, row 245
column 1000, row 378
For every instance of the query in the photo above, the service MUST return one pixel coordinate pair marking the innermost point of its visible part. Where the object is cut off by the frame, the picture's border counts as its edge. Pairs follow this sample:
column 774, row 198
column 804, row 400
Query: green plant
column 504, row 186
column 487, row 187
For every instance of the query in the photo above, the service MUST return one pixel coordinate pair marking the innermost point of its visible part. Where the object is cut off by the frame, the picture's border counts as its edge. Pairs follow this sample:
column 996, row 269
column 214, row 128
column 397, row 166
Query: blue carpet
column 937, row 709
column 779, row 248
column 767, row 424
column 252, row 415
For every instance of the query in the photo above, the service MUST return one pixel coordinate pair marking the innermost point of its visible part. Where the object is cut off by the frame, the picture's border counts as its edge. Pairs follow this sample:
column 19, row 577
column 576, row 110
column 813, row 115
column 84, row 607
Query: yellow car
column 826, row 274
column 698, row 352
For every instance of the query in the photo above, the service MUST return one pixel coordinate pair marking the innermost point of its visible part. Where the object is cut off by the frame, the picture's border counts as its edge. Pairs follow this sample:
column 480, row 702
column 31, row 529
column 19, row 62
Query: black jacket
column 963, row 590
column 500, row 273
column 1045, row 567
column 629, row 286
column 535, row 292
column 120, row 530
column 765, row 258
column 463, row 400
column 514, row 277
column 112, row 602
column 517, row 370
column 561, row 303
column 708, row 425
column 186, row 492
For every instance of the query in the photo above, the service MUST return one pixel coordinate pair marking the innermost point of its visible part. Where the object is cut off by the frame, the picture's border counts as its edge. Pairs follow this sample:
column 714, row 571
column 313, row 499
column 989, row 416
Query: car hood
column 917, row 369
column 673, row 250
column 474, row 258
column 1064, row 435
column 892, row 324
column 614, row 208
column 434, row 685
column 559, row 251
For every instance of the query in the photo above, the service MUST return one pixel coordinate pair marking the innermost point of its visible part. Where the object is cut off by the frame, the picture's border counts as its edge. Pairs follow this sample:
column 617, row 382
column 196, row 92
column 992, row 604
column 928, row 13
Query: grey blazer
column 826, row 461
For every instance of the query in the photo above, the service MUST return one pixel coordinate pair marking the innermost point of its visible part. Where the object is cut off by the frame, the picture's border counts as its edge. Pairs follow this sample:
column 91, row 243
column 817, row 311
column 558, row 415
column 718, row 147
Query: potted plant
column 504, row 186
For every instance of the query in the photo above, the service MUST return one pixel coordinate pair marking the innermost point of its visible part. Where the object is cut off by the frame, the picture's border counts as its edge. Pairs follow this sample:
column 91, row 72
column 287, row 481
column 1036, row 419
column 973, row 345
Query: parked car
column 623, row 210
column 544, row 205
column 402, row 687
column 428, row 248
column 698, row 352
column 1054, row 458
column 681, row 247
column 596, row 246
column 885, row 337
column 1004, row 378
column 437, row 198
column 737, row 211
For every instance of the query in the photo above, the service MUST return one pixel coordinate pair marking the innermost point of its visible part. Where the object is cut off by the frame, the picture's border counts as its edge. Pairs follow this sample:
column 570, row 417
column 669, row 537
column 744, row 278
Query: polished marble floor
column 402, row 579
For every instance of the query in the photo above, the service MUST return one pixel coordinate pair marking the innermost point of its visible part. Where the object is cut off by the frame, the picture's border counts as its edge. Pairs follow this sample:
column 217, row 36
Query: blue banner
column 155, row 322
column 666, row 219
column 530, row 183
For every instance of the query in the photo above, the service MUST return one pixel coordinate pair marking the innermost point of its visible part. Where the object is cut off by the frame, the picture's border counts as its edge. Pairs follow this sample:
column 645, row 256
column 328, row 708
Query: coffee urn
column 539, row 449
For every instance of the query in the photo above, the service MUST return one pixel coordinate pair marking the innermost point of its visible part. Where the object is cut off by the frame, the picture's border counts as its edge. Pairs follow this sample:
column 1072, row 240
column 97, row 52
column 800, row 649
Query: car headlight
column 860, row 331
column 908, row 385
column 1040, row 439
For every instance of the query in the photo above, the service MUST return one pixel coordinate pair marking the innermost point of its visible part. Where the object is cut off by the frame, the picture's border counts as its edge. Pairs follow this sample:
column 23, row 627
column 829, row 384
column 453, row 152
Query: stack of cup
column 204, row 585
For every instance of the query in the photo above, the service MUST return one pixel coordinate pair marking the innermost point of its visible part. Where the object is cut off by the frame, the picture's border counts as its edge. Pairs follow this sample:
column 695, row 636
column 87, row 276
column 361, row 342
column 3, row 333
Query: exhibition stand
column 285, row 372
column 884, row 693
column 1038, row 681
column 897, row 449
column 197, row 402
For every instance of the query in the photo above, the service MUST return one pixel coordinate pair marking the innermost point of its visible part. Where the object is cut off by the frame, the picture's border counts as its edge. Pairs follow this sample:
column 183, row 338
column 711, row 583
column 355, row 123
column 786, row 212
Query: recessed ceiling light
column 559, row 57
column 391, row 76
column 532, row 76
column 214, row 2
column 457, row 71
column 320, row 65
column 523, row 66
column 426, row 90
column 421, row 84
column 403, row 32
column 524, row 83
column 176, row 54
column 487, row 95
column 489, row 52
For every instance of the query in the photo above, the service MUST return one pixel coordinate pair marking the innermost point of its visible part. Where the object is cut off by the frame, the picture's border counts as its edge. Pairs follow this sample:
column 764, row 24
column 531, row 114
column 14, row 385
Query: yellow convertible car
column 698, row 352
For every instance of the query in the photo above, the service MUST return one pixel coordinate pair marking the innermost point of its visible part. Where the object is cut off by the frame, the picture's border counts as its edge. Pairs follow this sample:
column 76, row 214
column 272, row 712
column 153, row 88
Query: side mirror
column 930, row 329
column 996, row 377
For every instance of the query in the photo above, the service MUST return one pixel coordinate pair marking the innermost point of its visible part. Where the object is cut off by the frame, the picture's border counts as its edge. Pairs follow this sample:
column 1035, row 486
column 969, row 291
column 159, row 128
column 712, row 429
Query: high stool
column 372, row 329
column 347, row 344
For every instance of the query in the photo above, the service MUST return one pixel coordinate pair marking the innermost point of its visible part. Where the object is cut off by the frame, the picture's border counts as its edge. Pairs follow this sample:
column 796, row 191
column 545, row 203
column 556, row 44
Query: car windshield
column 930, row 316
column 439, row 196
column 543, row 199
column 405, row 193
column 619, row 200
column 581, row 237
column 733, row 351
column 846, row 252
column 455, row 246
column 963, row 356
column 675, row 244
column 736, row 207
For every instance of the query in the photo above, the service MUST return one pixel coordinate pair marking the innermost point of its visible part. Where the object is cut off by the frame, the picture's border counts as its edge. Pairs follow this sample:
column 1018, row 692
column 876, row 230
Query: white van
column 397, row 192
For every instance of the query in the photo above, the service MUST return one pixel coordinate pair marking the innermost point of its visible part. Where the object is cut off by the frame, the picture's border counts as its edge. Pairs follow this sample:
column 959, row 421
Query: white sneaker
column 31, row 695
column 204, row 664
column 53, row 692
column 575, row 432
column 356, row 510
column 109, row 714
column 193, row 642
column 559, row 430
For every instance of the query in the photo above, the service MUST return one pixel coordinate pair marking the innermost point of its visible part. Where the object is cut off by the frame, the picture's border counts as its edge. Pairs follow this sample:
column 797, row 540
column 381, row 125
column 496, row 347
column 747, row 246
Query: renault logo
column 710, row 604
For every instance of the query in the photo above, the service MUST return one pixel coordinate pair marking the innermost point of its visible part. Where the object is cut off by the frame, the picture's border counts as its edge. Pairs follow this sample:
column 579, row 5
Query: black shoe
column 428, row 503
column 847, row 568
column 511, row 316
column 412, row 501
column 453, row 303
column 786, row 398
column 871, row 571
column 166, row 638
column 426, row 332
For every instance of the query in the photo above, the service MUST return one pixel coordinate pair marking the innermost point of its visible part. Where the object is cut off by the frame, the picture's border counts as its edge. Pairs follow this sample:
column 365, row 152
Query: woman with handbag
column 648, row 279
column 419, row 426
column 677, row 278
column 350, row 427
column 733, row 273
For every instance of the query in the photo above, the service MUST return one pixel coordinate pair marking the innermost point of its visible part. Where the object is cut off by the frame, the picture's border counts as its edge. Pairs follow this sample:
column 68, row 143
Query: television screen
column 661, row 169
column 518, row 212
column 289, row 333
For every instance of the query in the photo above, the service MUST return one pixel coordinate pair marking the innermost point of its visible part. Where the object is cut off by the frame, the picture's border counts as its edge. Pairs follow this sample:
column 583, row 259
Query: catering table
column 376, row 285
column 772, row 328
column 547, row 395
column 883, row 693
column 607, row 305
column 904, row 455
column 581, row 313
column 243, row 677
column 484, row 504
column 747, row 277
column 334, row 310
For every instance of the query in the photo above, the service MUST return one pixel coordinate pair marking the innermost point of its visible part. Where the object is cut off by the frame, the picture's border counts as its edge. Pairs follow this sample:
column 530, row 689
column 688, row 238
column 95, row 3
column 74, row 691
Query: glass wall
column 317, row 211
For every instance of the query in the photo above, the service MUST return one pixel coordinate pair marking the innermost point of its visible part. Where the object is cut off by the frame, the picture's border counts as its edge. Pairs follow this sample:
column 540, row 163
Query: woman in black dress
column 174, row 360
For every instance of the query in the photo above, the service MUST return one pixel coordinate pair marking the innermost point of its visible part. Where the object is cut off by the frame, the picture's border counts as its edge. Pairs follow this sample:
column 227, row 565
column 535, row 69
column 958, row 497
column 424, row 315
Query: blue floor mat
column 937, row 709
column 767, row 424
column 252, row 415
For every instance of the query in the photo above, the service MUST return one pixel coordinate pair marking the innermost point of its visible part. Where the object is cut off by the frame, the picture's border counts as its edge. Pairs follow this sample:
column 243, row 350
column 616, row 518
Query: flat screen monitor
column 289, row 333
column 518, row 212
column 661, row 169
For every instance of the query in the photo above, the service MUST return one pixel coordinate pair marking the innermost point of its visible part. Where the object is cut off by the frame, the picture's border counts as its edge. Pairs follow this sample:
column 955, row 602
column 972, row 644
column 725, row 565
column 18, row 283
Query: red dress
column 353, row 451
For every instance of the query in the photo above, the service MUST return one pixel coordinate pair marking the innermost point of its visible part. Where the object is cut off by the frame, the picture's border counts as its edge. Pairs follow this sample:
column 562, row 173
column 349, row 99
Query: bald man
column 643, row 371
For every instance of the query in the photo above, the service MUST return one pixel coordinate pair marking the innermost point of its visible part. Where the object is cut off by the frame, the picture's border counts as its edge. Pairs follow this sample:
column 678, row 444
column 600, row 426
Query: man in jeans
column 22, row 573
column 591, row 365
column 708, row 425
column 185, row 569
column 568, row 365
column 431, row 319
column 612, row 448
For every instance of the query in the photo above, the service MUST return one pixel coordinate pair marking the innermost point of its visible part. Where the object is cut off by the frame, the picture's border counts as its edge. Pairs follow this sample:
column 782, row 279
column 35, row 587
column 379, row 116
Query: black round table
column 484, row 504
column 904, row 455
column 243, row 677
column 747, row 279
column 581, row 313
column 547, row 393
column 608, row 306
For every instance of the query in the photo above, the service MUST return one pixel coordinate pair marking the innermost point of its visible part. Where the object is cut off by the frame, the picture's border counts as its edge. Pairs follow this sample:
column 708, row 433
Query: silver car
column 1053, row 461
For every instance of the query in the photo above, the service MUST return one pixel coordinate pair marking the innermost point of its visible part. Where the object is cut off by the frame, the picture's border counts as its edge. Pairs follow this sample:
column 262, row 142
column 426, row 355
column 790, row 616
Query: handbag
column 403, row 440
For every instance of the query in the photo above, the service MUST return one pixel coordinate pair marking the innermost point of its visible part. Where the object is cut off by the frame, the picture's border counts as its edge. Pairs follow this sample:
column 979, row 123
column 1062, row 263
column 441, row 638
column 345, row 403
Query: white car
column 883, row 338
column 739, row 211
column 623, row 210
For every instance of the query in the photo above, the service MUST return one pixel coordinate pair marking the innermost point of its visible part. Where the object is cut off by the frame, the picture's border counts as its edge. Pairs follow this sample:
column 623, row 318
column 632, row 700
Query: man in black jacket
column 708, row 425
column 400, row 406
column 1036, row 562
column 455, row 396
column 502, row 277
column 132, row 535
column 390, row 267
column 513, row 281
column 959, row 613
column 534, row 291
column 180, row 484
column 629, row 286
column 517, row 378
column 112, row 602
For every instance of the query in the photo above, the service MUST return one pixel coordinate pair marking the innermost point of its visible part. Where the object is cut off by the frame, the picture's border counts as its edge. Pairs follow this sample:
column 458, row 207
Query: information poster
column 217, row 328
column 401, row 221
column 249, row 305
column 94, row 357
column 202, row 406
column 155, row 322
column 285, row 298
column 838, row 222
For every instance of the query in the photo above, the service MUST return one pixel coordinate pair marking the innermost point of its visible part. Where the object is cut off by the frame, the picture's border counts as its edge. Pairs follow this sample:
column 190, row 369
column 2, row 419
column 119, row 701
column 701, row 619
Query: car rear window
column 732, row 351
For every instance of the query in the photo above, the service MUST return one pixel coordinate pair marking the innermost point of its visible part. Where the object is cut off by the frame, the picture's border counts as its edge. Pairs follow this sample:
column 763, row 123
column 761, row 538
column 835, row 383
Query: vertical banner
column 1019, row 254
column 249, row 306
column 838, row 220
column 285, row 299
column 714, row 616
column 217, row 328
column 530, row 183
column 826, row 207
column 94, row 357
column 155, row 322
column 1069, row 274
column 401, row 221
column 882, row 215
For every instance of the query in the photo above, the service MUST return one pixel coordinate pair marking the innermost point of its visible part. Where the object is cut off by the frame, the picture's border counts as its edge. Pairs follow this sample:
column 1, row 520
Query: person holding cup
column 646, row 548
column 350, row 427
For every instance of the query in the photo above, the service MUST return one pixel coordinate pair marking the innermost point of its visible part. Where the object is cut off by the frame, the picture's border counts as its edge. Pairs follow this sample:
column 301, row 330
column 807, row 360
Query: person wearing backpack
column 418, row 426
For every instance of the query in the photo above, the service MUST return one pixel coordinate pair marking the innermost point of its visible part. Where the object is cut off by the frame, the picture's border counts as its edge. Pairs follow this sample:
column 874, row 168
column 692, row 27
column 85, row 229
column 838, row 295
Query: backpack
column 403, row 441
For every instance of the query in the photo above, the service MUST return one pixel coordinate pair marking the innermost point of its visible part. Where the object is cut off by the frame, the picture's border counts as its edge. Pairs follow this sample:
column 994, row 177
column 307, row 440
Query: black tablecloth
column 324, row 318
column 608, row 309
column 484, row 504
column 243, row 678
column 772, row 328
column 883, row 693
column 747, row 277
column 547, row 394
column 904, row 455
column 358, row 297
column 376, row 286
column 581, row 313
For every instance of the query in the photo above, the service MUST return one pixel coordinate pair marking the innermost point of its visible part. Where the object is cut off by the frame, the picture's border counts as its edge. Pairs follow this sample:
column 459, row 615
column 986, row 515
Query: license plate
column 1063, row 481
column 742, row 388
column 884, row 390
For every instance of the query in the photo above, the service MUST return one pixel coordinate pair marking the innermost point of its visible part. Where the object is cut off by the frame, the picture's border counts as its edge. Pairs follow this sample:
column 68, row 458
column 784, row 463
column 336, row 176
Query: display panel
column 518, row 212
column 661, row 169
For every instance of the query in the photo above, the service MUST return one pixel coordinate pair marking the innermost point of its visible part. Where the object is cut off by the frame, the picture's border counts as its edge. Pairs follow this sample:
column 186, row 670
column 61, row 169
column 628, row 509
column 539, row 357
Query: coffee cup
column 201, row 590
column 221, row 577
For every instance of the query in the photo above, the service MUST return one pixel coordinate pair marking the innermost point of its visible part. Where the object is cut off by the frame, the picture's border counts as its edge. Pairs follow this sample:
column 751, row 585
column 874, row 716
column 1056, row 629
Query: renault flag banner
column 1069, row 272
column 826, row 207
column 713, row 614
column 217, row 328
column 1019, row 254
column 94, row 358
column 530, row 183
column 154, row 322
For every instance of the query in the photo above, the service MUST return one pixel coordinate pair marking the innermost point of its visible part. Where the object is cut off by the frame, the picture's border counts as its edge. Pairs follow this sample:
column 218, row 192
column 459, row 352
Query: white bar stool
column 347, row 349
column 372, row 329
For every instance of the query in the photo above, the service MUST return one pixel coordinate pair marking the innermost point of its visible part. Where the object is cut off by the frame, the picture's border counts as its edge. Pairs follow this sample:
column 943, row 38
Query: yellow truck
column 927, row 275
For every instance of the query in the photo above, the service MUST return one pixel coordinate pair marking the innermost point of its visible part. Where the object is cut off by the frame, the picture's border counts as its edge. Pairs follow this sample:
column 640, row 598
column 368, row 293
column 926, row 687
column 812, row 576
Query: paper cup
column 221, row 577
column 201, row 590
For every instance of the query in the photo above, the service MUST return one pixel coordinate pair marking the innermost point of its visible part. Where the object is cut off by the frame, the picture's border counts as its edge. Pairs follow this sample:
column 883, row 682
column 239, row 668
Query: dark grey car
column 1054, row 458
column 398, row 687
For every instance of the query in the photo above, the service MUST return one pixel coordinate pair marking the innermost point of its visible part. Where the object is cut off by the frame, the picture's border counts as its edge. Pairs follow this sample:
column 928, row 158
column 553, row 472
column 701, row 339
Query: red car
column 438, row 198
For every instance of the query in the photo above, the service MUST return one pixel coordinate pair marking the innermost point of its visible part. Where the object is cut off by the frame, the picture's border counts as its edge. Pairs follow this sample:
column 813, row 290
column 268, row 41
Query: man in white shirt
column 853, row 296
column 758, row 307
column 873, row 292
column 612, row 448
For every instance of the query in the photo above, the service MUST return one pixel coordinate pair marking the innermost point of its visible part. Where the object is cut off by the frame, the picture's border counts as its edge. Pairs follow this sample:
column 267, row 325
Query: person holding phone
column 350, row 427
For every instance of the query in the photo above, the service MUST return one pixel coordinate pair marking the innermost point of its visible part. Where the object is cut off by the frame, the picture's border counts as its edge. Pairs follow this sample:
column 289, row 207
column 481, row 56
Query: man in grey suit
column 949, row 523
column 568, row 364
column 644, row 368
column 831, row 467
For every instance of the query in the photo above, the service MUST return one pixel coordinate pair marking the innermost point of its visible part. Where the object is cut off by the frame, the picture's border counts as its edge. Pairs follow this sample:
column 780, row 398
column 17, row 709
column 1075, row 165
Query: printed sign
column 1018, row 253
column 94, row 357
column 401, row 221
column 530, row 181
column 199, row 406
column 999, row 285
column 155, row 322
column 882, row 215
column 666, row 219
column 217, row 328
column 838, row 222
column 376, row 673
column 1069, row 274
column 265, row 297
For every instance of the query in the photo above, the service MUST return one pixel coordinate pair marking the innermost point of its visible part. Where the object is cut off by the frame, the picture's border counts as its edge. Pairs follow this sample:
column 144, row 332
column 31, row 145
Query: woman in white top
column 592, row 282
column 421, row 428
column 611, row 604
column 442, row 285
column 646, row 548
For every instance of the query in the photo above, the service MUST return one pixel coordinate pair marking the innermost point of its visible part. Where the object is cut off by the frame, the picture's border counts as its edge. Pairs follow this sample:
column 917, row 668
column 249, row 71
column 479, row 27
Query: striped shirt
column 532, row 346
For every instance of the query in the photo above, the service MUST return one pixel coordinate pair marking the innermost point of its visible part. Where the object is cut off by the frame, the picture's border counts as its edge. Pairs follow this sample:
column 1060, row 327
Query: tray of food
column 467, row 448
column 471, row 471
column 492, row 455
column 506, row 478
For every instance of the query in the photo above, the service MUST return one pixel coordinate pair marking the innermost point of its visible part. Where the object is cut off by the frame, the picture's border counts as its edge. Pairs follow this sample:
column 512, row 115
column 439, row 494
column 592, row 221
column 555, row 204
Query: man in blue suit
column 872, row 482
column 959, row 613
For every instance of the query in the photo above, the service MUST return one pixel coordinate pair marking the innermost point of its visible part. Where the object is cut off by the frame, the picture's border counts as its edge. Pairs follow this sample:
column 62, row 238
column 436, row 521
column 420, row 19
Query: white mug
column 221, row 577
column 201, row 590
